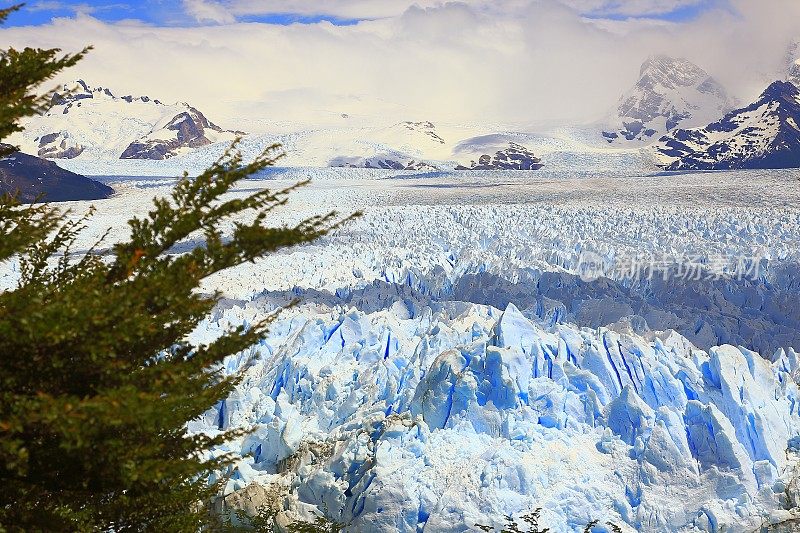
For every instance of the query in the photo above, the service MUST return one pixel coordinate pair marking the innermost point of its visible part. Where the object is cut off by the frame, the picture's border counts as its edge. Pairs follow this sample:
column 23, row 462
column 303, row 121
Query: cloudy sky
column 501, row 61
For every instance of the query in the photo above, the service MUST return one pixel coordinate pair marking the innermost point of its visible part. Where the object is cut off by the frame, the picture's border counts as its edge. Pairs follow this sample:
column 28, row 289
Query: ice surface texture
column 412, row 417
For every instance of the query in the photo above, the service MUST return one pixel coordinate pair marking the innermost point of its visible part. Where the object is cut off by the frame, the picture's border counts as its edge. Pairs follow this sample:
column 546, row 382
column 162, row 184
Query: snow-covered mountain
column 405, row 145
column 765, row 134
column 92, row 123
column 670, row 92
column 187, row 130
column 93, row 131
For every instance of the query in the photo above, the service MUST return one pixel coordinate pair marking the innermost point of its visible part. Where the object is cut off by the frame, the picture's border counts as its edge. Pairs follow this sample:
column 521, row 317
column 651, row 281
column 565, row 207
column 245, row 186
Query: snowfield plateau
column 455, row 357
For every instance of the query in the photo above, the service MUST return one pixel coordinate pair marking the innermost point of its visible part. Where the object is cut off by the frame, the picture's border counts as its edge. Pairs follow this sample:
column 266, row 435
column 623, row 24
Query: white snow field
column 452, row 361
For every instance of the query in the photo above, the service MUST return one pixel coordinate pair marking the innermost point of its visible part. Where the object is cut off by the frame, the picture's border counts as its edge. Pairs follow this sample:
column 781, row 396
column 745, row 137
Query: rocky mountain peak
column 186, row 130
column 763, row 135
column 661, row 90
column 191, row 123
column 782, row 92
column 72, row 92
column 78, row 90
column 670, row 72
column 669, row 92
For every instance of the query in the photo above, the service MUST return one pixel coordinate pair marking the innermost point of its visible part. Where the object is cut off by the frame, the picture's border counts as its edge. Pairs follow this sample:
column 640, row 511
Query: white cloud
column 511, row 61
column 345, row 9
column 633, row 8
column 374, row 9
column 205, row 11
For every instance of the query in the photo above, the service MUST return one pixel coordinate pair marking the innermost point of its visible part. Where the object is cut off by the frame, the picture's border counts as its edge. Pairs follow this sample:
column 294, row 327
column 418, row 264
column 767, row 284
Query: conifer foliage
column 97, row 379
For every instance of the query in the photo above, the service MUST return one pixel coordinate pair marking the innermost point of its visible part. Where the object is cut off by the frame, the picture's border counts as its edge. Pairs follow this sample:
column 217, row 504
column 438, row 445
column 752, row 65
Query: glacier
column 410, row 419
column 450, row 364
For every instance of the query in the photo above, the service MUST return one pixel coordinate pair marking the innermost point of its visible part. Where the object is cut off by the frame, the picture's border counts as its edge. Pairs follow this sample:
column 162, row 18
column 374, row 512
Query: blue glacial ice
column 411, row 419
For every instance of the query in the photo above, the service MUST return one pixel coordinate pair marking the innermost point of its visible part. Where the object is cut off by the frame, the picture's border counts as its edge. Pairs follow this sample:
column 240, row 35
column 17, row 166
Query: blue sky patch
column 172, row 13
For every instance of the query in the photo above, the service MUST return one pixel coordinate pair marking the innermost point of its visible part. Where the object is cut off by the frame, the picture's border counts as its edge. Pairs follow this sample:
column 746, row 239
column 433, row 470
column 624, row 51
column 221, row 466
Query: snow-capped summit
column 189, row 129
column 765, row 134
column 670, row 92
column 93, row 123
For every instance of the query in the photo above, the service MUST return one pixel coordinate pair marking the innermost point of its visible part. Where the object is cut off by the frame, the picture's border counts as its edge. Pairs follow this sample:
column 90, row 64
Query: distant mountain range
column 486, row 153
column 675, row 111
column 670, row 92
column 92, row 122
column 34, row 179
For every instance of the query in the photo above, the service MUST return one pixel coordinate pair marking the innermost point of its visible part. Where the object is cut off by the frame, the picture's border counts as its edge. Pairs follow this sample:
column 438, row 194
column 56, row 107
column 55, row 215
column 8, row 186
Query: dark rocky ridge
column 82, row 91
column 58, row 146
column 384, row 162
column 33, row 179
column 397, row 165
column 763, row 135
column 426, row 128
column 515, row 157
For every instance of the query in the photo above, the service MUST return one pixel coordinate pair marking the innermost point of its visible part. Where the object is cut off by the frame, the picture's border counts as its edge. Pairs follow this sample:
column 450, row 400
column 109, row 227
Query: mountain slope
column 669, row 92
column 92, row 123
column 402, row 146
column 765, row 134
column 794, row 73
column 32, row 179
